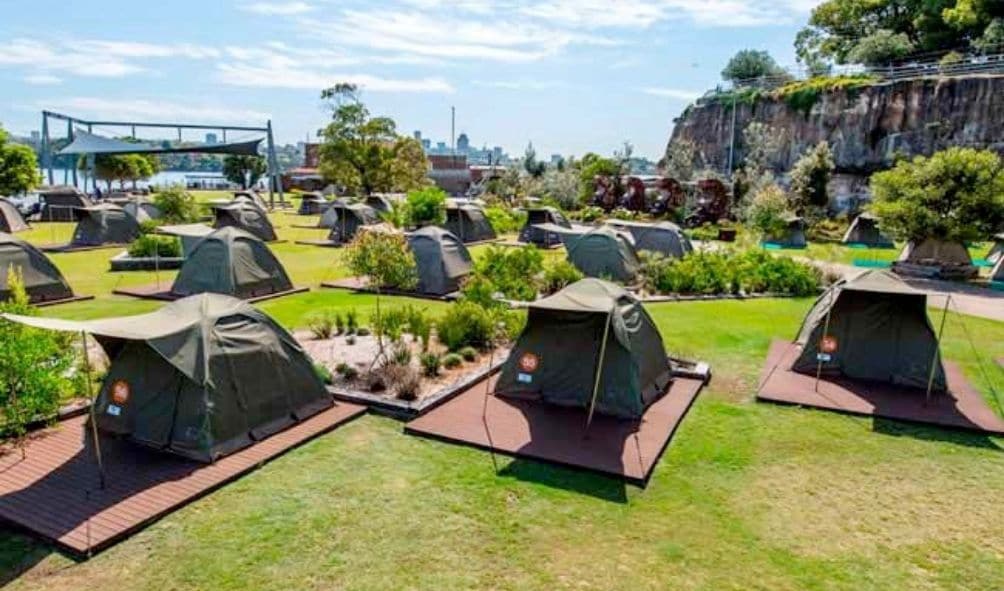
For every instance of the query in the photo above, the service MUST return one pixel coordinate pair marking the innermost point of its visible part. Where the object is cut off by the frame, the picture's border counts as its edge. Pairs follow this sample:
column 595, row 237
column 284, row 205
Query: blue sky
column 569, row 75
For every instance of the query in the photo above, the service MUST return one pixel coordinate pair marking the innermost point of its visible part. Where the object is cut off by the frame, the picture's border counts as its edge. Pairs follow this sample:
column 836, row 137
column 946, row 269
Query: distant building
column 211, row 138
column 463, row 144
column 450, row 173
column 306, row 177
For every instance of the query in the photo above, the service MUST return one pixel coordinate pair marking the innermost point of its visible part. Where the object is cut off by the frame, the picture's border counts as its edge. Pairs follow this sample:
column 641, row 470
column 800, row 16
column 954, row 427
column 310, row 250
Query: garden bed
column 124, row 262
column 335, row 351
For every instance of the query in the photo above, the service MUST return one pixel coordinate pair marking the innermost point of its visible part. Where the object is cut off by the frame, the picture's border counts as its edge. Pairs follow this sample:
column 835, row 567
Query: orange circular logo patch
column 528, row 362
column 828, row 344
column 120, row 392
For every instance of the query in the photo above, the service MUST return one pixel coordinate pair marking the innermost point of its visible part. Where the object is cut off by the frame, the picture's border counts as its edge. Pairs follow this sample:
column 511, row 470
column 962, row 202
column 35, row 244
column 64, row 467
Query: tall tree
column 357, row 149
column 533, row 167
column 749, row 64
column 810, row 177
column 244, row 170
column 18, row 167
column 409, row 168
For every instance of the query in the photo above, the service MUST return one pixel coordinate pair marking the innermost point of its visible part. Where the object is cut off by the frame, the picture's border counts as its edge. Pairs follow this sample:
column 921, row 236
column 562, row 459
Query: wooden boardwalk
column 55, row 493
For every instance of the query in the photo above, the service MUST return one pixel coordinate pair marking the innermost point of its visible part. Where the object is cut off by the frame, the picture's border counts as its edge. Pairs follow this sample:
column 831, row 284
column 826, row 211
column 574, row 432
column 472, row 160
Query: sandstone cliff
column 865, row 127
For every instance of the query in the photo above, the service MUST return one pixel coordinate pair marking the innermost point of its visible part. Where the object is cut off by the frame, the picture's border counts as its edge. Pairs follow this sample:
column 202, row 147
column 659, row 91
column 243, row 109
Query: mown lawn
column 838, row 253
column 747, row 496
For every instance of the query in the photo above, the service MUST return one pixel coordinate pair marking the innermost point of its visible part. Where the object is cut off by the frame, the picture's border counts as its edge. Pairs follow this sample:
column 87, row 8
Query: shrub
column 176, row 206
column 827, row 230
column 767, row 211
column 384, row 258
column 391, row 323
column 811, row 175
column 505, row 220
column 351, row 321
column 513, row 272
column 559, row 275
column 465, row 324
column 729, row 272
column 149, row 245
column 452, row 360
column 323, row 373
column 401, row 353
column 321, row 324
column 419, row 325
column 350, row 340
column 339, row 323
column 589, row 214
column 751, row 63
column 468, row 353
column 407, row 383
column 430, row 364
column 427, row 206
column 347, row 371
column 880, row 47
column 362, row 331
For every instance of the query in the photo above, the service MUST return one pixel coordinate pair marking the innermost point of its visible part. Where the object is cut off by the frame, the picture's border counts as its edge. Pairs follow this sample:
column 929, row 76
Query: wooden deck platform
column 159, row 293
column 360, row 285
column 54, row 492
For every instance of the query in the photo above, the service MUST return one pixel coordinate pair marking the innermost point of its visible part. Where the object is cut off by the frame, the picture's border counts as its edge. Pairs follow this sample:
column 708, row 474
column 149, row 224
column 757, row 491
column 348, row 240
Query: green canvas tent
column 996, row 252
column 381, row 203
column 442, row 260
column 879, row 328
column 104, row 224
column 232, row 262
column 793, row 235
column 603, row 252
column 202, row 377
column 935, row 252
column 143, row 210
column 997, row 272
column 348, row 218
column 244, row 215
column 469, row 223
column 42, row 280
column 864, row 231
column 189, row 234
column 251, row 197
column 58, row 203
column 541, row 237
column 11, row 220
column 665, row 238
column 312, row 204
column 561, row 353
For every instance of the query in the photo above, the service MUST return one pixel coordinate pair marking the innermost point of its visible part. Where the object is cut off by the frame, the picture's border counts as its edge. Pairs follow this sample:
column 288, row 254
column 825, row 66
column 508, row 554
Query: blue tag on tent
column 524, row 378
column 823, row 357
column 113, row 410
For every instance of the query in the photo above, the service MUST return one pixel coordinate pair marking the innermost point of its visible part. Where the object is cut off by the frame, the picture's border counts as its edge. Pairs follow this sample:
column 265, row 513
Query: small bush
column 430, row 364
column 465, row 324
column 427, row 206
column 468, row 353
column 322, row 373
column 362, row 331
column 176, row 206
column 452, row 360
column 350, row 340
column 513, row 272
column 505, row 220
column 419, row 325
column 149, row 245
column 391, row 323
column 729, row 272
column 401, row 353
column 339, row 323
column 351, row 321
column 347, row 371
column 588, row 214
column 322, row 324
column 559, row 275
column 408, row 383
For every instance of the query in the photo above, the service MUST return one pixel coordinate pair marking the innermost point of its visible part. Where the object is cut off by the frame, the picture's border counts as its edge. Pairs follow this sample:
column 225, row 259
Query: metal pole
column 69, row 129
column 273, row 166
column 94, row 403
column 826, row 333
column 732, row 136
column 453, row 131
column 937, row 351
column 69, row 134
column 599, row 369
column 46, row 156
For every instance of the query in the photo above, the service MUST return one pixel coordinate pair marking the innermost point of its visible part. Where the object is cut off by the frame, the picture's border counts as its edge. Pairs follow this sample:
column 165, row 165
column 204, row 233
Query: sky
column 570, row 76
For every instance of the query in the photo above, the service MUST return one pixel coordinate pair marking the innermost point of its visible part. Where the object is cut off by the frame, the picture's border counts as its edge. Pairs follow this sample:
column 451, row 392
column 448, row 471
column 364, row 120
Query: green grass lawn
column 839, row 253
column 747, row 496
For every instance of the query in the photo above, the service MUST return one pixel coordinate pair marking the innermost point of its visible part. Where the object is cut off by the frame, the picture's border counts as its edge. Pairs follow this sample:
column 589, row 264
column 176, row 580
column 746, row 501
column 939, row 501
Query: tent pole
column 937, row 351
column 484, row 407
column 94, row 402
column 826, row 333
column 599, row 368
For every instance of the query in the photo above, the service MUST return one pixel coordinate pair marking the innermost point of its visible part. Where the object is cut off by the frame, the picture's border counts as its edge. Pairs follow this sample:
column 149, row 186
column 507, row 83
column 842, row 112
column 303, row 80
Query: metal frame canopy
column 110, row 146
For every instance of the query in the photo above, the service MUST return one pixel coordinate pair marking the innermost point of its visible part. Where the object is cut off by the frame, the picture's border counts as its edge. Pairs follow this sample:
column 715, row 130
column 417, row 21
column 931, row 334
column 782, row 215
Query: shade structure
column 104, row 224
column 542, row 215
column 89, row 143
column 143, row 210
column 864, row 231
column 792, row 236
column 996, row 252
column 233, row 262
column 346, row 219
column 442, row 260
column 665, row 238
column 42, row 280
column 560, row 354
column 312, row 204
column 873, row 326
column 604, row 253
column 189, row 234
column 59, row 202
column 244, row 215
column 11, row 220
column 201, row 377
column 469, row 223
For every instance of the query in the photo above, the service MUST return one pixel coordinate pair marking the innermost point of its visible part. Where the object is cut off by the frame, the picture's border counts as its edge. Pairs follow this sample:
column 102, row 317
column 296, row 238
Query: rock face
column 865, row 127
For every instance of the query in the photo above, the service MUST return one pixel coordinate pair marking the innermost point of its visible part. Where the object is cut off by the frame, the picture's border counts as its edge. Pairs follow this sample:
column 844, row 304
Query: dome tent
column 42, row 280
column 542, row 237
column 793, row 235
column 469, row 223
column 864, row 231
column 665, row 238
column 202, row 377
column 442, row 260
column 935, row 258
column 244, row 215
column 561, row 352
column 880, row 330
column 996, row 252
column 233, row 262
column 143, row 210
column 312, row 204
column 997, row 272
column 603, row 252
column 11, row 220
column 381, row 203
column 250, row 197
column 59, row 202
column 348, row 218
column 104, row 224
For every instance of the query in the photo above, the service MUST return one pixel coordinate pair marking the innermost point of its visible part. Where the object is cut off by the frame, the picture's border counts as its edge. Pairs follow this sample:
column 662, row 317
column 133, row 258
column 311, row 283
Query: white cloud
column 519, row 84
column 92, row 58
column 673, row 93
column 594, row 14
column 155, row 110
column 42, row 79
column 249, row 75
column 278, row 8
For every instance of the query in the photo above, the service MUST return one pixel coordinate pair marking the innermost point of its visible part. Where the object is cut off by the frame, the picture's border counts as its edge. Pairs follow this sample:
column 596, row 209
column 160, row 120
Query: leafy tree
column 176, row 206
column 561, row 186
column 680, row 160
column 34, row 365
column 748, row 64
column 533, row 167
column 993, row 36
column 427, row 206
column 122, row 167
column 593, row 165
column 244, row 170
column 760, row 143
column 767, row 210
column 357, row 149
column 18, row 167
column 881, row 47
column 811, row 175
column 955, row 195
column 409, row 168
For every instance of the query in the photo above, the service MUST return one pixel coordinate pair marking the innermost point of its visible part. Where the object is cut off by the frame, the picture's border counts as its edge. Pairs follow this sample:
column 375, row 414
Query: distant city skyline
column 571, row 76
